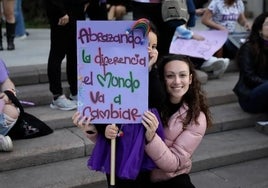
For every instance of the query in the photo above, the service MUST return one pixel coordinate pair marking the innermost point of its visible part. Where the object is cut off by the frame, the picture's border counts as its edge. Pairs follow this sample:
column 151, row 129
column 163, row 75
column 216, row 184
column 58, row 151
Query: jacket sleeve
column 246, row 61
column 171, row 157
column 56, row 6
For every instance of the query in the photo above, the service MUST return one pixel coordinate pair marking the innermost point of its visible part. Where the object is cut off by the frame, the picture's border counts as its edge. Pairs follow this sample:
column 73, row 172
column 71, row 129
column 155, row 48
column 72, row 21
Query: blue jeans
column 4, row 128
column 20, row 27
column 191, row 12
column 257, row 101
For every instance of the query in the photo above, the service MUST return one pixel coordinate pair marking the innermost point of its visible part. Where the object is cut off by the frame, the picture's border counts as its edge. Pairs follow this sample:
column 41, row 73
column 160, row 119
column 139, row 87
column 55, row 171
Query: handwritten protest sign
column 112, row 71
column 214, row 40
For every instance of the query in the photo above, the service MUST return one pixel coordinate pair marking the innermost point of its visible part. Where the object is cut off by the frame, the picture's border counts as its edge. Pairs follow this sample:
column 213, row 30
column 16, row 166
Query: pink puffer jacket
column 173, row 157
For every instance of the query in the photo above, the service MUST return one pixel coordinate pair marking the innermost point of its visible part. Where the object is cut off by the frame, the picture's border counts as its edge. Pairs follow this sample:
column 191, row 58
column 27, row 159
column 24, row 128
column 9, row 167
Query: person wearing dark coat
column 252, row 86
column 62, row 16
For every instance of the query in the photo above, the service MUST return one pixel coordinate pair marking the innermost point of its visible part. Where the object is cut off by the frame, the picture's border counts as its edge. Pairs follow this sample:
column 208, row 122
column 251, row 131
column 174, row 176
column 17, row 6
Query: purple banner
column 112, row 71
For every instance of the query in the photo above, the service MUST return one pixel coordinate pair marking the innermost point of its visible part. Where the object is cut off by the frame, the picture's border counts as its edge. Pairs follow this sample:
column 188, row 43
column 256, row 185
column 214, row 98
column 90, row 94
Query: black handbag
column 27, row 125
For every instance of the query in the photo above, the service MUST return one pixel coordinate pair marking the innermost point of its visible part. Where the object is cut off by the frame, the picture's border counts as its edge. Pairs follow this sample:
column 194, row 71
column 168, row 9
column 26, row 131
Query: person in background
column 192, row 14
column 96, row 10
column 185, row 116
column 117, row 9
column 62, row 16
column 199, row 5
column 252, row 58
column 20, row 31
column 129, row 159
column 224, row 15
column 8, row 13
column 152, row 11
column 214, row 67
column 8, row 111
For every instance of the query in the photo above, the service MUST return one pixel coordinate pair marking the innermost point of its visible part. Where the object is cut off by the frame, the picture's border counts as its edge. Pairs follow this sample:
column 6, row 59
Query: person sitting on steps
column 252, row 86
column 8, row 112
column 178, row 27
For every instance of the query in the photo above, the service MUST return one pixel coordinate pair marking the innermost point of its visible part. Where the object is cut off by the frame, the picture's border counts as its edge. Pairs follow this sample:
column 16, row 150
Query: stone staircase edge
column 84, row 176
column 63, row 144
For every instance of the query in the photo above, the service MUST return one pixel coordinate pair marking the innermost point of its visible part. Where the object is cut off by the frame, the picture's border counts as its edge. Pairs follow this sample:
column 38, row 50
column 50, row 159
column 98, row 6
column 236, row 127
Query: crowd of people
column 178, row 116
column 62, row 17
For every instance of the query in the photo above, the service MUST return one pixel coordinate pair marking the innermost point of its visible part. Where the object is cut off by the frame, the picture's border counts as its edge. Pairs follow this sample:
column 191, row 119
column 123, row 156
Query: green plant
column 35, row 13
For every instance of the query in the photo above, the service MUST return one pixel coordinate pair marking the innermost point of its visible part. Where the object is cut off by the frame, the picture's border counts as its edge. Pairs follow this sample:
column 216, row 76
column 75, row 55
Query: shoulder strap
column 14, row 100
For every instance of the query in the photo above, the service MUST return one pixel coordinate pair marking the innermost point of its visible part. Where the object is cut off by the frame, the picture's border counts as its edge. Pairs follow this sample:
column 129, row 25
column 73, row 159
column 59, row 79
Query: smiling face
column 152, row 45
column 177, row 79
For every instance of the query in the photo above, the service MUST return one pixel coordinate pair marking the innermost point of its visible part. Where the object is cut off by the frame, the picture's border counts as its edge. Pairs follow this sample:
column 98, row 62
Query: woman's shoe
column 212, row 64
column 219, row 73
column 5, row 143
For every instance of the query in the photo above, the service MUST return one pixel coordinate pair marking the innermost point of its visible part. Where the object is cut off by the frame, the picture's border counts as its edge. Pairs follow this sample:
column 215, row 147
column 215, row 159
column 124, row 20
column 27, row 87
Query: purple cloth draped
column 130, row 156
column 3, row 72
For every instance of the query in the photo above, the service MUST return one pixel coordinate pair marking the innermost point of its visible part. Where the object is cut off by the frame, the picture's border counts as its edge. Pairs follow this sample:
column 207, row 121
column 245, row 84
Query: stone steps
column 59, row 159
column 249, row 174
column 35, row 88
column 67, row 139
column 225, row 117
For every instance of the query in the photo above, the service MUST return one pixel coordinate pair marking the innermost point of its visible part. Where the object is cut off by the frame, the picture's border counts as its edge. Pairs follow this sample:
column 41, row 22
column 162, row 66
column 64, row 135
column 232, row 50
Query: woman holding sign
column 185, row 117
column 133, row 166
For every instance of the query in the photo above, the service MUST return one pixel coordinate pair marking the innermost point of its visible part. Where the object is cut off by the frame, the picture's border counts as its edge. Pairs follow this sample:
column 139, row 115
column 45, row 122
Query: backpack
column 174, row 10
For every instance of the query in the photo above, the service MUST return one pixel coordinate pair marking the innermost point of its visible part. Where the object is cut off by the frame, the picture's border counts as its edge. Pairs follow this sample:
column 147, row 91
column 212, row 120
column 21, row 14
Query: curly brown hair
column 195, row 97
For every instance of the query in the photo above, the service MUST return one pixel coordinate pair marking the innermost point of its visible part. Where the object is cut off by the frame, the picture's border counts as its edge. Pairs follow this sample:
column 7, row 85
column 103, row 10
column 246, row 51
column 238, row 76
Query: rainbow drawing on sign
column 142, row 25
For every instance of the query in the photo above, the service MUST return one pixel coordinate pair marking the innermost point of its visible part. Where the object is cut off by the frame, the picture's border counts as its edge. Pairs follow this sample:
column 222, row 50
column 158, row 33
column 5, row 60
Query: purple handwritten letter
column 112, row 71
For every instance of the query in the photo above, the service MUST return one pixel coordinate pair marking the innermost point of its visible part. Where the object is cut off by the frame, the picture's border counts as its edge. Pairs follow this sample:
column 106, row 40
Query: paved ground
column 30, row 51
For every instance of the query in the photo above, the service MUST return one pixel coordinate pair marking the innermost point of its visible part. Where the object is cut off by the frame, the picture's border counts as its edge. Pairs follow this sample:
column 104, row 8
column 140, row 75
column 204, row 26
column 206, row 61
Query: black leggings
column 142, row 181
column 62, row 43
column 180, row 181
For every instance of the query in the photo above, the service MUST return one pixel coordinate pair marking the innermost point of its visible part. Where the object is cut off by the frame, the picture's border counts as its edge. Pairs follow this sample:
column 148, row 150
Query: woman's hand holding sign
column 150, row 122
